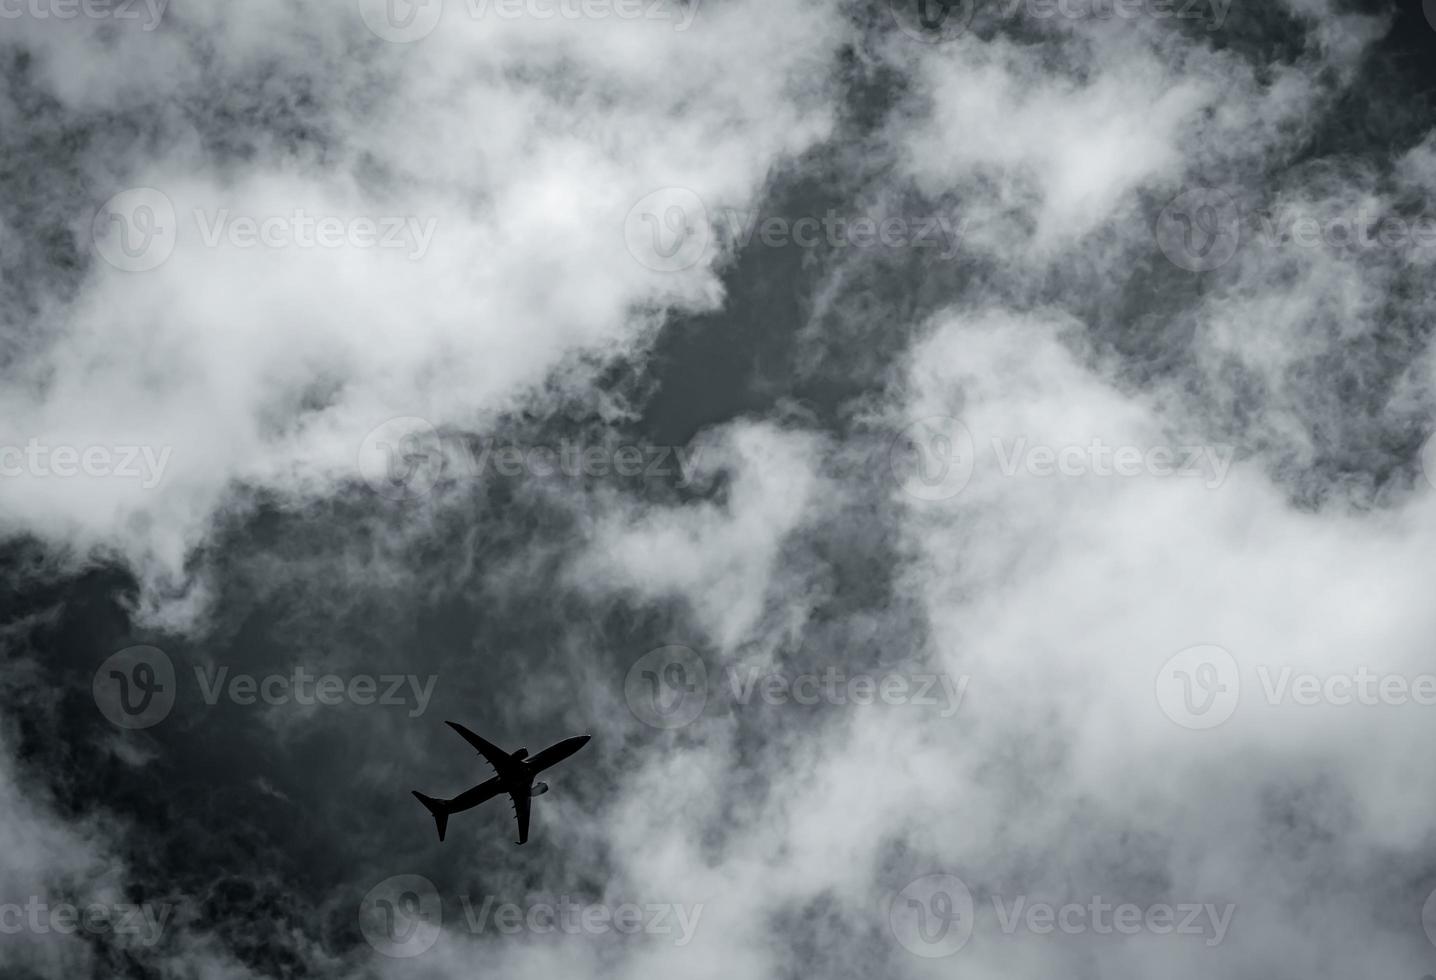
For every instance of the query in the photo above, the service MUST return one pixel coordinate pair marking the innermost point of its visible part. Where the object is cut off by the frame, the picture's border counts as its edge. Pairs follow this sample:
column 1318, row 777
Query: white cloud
column 524, row 144
column 1060, row 596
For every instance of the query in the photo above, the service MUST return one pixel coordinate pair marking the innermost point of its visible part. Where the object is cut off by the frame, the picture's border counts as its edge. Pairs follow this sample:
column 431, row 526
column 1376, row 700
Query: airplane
column 513, row 774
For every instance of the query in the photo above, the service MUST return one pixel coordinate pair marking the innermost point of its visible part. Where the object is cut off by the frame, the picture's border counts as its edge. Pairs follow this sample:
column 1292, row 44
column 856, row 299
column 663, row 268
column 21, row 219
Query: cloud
column 502, row 154
column 1168, row 449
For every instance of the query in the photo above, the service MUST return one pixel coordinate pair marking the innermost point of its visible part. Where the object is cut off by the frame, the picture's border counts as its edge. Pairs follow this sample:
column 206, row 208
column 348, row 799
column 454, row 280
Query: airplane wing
column 493, row 755
column 521, row 814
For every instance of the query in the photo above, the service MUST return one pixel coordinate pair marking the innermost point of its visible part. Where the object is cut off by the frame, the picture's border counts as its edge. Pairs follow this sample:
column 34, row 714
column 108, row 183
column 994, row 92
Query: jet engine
column 539, row 789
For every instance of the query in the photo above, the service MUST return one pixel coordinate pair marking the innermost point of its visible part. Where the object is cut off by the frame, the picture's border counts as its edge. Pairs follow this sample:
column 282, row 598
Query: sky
column 968, row 466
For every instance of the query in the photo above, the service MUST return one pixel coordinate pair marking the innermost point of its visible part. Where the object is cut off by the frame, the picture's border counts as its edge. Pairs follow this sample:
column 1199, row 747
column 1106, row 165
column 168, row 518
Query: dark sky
column 959, row 475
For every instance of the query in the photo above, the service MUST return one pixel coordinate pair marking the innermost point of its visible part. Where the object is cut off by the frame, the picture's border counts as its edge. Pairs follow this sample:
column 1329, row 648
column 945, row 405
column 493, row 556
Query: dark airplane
column 513, row 774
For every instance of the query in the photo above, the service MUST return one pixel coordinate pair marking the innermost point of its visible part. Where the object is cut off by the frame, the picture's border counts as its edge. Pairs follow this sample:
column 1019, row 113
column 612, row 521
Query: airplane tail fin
column 436, row 807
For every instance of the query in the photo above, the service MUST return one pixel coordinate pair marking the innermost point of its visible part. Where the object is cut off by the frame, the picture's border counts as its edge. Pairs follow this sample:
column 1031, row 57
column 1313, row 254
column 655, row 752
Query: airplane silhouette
column 513, row 774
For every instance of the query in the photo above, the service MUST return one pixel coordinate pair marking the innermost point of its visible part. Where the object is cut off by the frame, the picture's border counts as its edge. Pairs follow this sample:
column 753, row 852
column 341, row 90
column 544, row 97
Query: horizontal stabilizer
column 436, row 807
